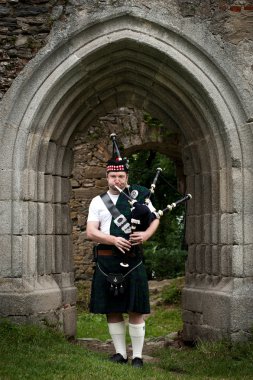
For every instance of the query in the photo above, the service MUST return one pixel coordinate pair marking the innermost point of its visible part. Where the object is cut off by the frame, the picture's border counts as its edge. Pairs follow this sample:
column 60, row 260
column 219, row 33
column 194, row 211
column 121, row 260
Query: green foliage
column 171, row 294
column 163, row 321
column 164, row 253
column 163, row 263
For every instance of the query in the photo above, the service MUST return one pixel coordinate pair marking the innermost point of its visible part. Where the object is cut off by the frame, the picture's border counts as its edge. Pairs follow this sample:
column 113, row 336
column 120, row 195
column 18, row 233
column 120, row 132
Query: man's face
column 117, row 178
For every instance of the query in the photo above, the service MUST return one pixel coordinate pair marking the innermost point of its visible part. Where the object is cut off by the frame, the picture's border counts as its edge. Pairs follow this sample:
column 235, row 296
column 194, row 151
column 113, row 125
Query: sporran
column 117, row 283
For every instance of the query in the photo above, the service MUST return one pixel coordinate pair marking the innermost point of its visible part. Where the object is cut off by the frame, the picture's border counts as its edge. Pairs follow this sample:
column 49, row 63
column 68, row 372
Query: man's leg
column 117, row 330
column 137, row 335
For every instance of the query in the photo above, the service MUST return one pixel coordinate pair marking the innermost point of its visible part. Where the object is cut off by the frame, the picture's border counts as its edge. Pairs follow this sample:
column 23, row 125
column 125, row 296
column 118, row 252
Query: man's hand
column 122, row 244
column 138, row 237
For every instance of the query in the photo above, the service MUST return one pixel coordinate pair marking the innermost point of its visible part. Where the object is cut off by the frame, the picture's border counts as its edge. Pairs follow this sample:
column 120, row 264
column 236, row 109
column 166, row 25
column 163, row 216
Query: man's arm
column 93, row 232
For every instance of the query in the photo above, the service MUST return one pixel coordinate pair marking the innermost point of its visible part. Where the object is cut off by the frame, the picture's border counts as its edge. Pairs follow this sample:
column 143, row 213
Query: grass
column 36, row 352
column 32, row 352
column 160, row 322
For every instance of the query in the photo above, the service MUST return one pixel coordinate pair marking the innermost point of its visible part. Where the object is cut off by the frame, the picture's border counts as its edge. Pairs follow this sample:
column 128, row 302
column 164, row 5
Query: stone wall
column 24, row 28
column 88, row 180
column 26, row 24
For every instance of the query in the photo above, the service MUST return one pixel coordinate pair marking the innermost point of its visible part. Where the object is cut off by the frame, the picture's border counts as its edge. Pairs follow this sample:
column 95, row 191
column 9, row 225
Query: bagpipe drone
column 141, row 215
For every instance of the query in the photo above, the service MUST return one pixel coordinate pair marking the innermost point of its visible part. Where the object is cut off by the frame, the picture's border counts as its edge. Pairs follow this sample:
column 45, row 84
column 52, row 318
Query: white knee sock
column 137, row 334
column 118, row 333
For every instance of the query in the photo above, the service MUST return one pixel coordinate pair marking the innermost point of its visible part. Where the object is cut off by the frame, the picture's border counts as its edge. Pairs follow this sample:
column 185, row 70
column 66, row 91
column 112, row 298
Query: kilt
column 136, row 294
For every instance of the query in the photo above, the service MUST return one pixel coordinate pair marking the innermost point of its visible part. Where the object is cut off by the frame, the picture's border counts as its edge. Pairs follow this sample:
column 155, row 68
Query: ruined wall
column 26, row 24
column 187, row 63
column 24, row 28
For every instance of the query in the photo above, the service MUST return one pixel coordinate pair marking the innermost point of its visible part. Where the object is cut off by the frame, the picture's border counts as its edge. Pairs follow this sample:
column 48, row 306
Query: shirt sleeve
column 93, row 215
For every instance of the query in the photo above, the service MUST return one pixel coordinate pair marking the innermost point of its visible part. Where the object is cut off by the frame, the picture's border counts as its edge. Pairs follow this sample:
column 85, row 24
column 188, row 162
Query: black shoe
column 118, row 358
column 137, row 362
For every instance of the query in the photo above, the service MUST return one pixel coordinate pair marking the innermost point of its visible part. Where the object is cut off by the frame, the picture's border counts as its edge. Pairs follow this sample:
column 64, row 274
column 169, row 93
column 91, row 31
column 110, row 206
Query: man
column 119, row 255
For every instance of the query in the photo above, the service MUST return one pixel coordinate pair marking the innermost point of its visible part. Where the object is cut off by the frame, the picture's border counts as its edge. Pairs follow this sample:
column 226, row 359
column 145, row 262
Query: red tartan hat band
column 117, row 166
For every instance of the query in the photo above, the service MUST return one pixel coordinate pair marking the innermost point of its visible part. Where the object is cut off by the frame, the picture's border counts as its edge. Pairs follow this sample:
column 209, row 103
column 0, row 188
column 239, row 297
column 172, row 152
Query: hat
column 116, row 163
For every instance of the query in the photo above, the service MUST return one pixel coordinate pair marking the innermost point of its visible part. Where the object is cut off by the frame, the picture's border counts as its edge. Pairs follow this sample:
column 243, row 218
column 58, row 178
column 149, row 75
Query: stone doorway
column 128, row 61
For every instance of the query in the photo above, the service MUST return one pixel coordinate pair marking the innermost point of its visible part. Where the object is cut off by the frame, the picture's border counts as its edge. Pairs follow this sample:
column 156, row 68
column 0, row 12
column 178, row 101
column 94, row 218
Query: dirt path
column 150, row 346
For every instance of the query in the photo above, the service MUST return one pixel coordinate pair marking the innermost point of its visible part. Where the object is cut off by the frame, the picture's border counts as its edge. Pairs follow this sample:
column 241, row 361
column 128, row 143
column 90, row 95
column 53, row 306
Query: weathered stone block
column 237, row 193
column 225, row 200
column 41, row 254
column 190, row 230
column 45, row 218
column 207, row 229
column 32, row 222
column 5, row 256
column 188, row 316
column 94, row 172
column 17, row 256
column 30, row 178
column 50, row 254
column 215, row 260
column 5, row 184
column 241, row 306
column 7, row 138
column 68, row 295
column 69, row 320
column 226, row 260
column 247, row 196
column 45, row 259
column 248, row 260
column 62, row 189
column 215, row 231
column 30, row 253
column 5, row 220
column 198, row 228
column 231, row 231
column 208, row 259
column 67, row 260
column 191, row 259
column 192, row 299
column 48, row 164
column 62, row 219
column 45, row 187
column 237, row 260
column 248, row 228
column 86, row 193
column 58, row 254
column 200, row 258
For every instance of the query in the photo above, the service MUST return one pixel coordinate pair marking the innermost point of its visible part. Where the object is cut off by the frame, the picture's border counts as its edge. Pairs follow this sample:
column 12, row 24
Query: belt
column 105, row 252
column 109, row 252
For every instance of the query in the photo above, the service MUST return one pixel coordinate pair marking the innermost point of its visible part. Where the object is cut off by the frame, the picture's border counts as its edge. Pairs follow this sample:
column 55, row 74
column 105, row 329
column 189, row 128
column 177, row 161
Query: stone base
column 222, row 311
column 39, row 302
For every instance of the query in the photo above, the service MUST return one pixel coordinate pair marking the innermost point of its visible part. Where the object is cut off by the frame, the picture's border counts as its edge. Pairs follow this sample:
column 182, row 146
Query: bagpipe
column 141, row 215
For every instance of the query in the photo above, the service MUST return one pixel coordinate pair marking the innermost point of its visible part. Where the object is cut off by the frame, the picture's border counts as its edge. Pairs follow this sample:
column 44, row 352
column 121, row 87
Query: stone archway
column 124, row 60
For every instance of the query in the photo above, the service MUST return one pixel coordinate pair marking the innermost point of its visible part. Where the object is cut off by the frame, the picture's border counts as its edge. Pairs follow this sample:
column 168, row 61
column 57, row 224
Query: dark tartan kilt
column 136, row 295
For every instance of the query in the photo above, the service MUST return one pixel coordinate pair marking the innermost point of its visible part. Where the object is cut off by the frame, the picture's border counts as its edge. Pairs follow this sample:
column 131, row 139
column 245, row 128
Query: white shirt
column 98, row 212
